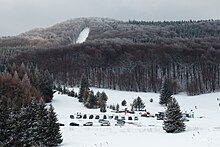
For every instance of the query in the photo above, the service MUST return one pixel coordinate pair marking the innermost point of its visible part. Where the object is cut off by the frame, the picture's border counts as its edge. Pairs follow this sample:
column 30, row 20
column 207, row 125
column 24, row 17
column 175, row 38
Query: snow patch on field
column 202, row 131
column 83, row 35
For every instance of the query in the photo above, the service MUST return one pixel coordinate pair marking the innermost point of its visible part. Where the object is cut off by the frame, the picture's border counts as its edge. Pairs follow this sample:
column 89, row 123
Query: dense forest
column 133, row 55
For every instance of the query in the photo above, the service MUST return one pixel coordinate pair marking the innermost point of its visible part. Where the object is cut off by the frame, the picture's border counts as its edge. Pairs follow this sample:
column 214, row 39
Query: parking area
column 80, row 119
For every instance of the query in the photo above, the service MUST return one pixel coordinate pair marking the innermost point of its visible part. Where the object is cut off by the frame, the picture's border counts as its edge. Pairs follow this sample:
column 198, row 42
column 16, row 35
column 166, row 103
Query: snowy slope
column 202, row 131
column 83, row 35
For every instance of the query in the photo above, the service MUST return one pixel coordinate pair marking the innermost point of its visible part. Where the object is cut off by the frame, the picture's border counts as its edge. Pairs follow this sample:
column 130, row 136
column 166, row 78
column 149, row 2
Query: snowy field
column 201, row 131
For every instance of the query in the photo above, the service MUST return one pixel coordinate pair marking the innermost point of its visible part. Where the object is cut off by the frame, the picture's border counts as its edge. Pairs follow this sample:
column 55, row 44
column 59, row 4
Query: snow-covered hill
column 202, row 131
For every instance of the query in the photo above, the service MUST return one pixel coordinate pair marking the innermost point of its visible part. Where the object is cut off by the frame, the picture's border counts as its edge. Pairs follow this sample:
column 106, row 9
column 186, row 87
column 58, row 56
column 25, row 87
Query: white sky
column 18, row 16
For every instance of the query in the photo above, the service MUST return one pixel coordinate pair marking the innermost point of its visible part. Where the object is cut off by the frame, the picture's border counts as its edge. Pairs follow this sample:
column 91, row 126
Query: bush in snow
column 138, row 104
column 124, row 103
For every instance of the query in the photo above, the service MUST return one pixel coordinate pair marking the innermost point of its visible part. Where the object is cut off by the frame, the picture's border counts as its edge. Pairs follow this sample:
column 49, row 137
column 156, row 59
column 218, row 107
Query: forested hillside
column 133, row 55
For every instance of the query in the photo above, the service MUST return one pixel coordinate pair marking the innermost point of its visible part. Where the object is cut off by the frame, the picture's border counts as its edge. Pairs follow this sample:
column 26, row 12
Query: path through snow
column 83, row 35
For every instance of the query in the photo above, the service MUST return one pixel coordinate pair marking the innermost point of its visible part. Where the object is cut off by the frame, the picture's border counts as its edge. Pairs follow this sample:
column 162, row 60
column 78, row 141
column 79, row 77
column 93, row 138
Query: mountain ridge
column 67, row 32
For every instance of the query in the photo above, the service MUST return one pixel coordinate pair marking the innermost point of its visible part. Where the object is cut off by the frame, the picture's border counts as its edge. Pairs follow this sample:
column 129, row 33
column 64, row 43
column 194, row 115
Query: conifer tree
column 138, row 104
column 173, row 122
column 54, row 136
column 91, row 100
column 84, row 86
column 26, row 129
column 165, row 93
column 41, row 122
column 102, row 100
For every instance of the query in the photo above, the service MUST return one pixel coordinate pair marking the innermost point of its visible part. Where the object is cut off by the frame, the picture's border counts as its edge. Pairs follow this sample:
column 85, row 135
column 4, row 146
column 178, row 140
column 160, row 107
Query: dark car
column 116, row 117
column 88, row 124
column 74, row 124
column 91, row 117
column 160, row 115
column 84, row 116
column 60, row 124
column 72, row 116
column 97, row 117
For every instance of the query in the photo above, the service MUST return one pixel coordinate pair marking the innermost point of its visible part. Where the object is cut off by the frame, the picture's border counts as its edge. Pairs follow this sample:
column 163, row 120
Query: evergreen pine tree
column 91, row 100
column 84, row 86
column 138, row 104
column 26, row 130
column 41, row 122
column 54, row 136
column 46, row 86
column 102, row 101
column 172, row 121
column 165, row 93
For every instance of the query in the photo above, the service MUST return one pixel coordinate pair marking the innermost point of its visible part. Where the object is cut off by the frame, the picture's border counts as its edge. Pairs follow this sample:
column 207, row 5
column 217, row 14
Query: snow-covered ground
column 201, row 131
column 83, row 35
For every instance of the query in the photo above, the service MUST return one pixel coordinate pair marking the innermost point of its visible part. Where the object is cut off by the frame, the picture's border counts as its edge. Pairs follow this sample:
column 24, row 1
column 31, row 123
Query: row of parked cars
column 116, row 117
column 101, row 121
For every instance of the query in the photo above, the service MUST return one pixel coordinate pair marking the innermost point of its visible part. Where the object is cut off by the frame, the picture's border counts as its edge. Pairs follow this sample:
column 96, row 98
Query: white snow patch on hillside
column 83, row 35
column 201, row 131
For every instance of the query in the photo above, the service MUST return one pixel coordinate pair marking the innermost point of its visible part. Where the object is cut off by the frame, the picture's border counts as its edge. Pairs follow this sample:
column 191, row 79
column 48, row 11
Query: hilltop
column 67, row 32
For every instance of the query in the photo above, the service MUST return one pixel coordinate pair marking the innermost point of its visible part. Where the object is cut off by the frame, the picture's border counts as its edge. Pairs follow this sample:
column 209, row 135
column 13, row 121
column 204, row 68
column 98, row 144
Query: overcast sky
column 17, row 16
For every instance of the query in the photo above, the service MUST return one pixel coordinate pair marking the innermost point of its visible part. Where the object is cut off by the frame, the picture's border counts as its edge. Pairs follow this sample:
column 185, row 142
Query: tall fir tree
column 165, row 93
column 41, row 122
column 27, row 131
column 91, row 100
column 173, row 122
column 54, row 137
column 84, row 86
column 102, row 100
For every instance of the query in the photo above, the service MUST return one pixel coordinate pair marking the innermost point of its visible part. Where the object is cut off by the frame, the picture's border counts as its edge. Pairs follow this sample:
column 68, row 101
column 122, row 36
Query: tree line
column 189, row 65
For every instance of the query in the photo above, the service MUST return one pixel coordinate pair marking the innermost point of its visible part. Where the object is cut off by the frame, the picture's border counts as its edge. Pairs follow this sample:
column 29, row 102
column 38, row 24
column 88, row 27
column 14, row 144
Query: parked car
column 97, row 117
column 110, row 117
column 60, row 124
column 84, row 116
column 129, row 118
column 123, row 117
column 88, row 124
column 74, row 124
column 72, row 116
column 135, row 118
column 101, row 120
column 104, row 117
column 79, row 116
column 160, row 115
column 91, row 117
column 105, row 123
column 120, row 122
